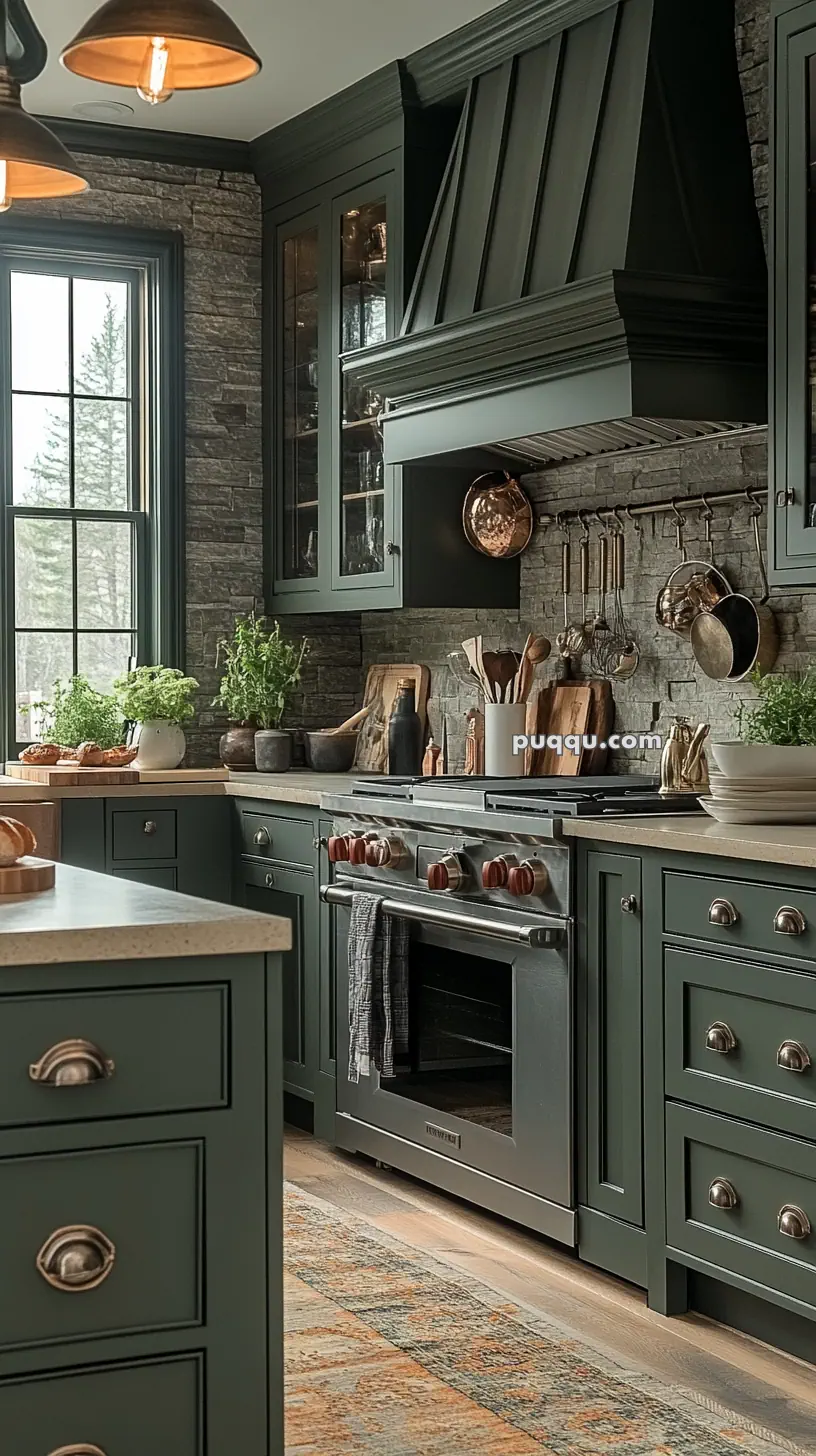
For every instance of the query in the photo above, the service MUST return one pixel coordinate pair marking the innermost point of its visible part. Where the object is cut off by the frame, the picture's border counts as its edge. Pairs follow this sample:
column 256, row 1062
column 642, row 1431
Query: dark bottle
column 405, row 732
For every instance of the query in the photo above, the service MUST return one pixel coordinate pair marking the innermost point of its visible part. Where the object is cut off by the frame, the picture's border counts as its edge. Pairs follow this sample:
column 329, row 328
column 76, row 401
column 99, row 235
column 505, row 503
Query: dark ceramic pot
column 273, row 750
column 237, row 746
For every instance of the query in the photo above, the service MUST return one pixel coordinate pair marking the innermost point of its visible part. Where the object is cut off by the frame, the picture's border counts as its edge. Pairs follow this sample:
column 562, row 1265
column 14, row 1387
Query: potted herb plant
column 79, row 714
column 261, row 670
column 777, row 730
column 158, row 700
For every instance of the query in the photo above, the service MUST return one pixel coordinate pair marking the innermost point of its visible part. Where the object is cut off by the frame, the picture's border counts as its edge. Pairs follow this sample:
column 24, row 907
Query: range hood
column 594, row 277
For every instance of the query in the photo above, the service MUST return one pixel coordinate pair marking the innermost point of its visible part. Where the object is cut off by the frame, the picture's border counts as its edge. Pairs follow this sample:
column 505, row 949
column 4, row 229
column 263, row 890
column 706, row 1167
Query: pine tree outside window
column 89, row 363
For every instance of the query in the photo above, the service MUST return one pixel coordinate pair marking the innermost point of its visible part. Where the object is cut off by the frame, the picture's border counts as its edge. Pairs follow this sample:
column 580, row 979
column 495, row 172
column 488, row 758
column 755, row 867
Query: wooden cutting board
column 183, row 775
column 569, row 711
column 68, row 776
column 601, row 724
column 380, row 692
column 26, row 876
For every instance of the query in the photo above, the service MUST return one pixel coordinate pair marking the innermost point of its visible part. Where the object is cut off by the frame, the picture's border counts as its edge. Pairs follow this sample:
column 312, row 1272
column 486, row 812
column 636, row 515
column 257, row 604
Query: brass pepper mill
column 683, row 766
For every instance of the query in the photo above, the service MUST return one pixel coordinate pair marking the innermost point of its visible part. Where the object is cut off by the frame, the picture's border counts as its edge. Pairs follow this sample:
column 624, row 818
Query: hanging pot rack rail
column 617, row 516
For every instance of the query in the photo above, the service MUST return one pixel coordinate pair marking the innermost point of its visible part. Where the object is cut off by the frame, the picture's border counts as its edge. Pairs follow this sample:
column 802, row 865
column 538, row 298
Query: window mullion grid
column 71, row 481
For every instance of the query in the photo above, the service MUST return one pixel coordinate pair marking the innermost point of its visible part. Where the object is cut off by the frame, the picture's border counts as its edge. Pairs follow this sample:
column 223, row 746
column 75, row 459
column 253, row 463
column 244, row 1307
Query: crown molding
column 182, row 149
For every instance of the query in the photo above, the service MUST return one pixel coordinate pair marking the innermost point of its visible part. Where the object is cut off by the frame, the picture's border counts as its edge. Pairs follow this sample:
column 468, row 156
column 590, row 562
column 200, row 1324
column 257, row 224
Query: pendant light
column 161, row 46
column 33, row 163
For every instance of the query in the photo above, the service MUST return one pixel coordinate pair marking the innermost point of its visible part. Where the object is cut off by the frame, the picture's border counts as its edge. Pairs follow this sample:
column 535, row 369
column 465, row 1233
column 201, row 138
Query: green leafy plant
column 785, row 713
column 156, row 692
column 79, row 714
column 261, row 671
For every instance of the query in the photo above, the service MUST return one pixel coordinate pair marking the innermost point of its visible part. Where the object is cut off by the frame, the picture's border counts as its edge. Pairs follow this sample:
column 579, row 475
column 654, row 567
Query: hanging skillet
column 738, row 635
column 497, row 516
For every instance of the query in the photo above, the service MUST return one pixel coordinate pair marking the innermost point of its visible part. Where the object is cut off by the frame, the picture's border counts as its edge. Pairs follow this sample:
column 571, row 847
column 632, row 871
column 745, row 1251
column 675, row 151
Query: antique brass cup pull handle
column 76, row 1258
column 723, row 1194
column 793, row 1222
column 789, row 921
column 261, row 838
column 72, row 1063
column 722, row 912
column 720, row 1038
column 793, row 1056
column 81, row 1450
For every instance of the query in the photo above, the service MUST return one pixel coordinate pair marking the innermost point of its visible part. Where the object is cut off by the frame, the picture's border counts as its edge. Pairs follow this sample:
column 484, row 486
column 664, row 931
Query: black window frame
column 158, row 259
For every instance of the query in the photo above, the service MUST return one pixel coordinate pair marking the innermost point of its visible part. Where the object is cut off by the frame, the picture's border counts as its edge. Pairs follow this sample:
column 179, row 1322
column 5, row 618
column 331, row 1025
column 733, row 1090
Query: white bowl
column 764, row 760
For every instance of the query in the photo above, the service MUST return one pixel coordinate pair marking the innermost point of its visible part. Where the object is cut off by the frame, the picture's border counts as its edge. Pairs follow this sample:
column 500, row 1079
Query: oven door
column 488, row 1078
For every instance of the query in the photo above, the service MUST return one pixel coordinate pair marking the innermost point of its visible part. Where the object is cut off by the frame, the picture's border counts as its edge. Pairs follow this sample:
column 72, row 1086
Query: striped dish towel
column 378, row 948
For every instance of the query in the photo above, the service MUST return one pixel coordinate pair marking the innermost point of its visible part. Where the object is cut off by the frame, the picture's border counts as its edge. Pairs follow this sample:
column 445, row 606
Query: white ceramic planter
column 764, row 760
column 161, row 744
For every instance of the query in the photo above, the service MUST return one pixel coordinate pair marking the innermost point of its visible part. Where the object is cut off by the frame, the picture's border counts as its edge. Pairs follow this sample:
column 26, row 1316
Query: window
column 92, row 465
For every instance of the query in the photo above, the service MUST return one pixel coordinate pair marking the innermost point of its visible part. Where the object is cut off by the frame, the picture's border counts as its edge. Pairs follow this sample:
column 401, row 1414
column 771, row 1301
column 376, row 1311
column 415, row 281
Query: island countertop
column 94, row 917
column 790, row 844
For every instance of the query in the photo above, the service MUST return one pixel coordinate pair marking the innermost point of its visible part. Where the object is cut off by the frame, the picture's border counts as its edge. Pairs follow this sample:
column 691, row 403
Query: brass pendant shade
column 206, row 46
column 36, row 163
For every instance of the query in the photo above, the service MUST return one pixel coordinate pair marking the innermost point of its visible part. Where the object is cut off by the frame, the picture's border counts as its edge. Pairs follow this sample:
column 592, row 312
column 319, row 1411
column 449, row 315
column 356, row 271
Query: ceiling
column 310, row 50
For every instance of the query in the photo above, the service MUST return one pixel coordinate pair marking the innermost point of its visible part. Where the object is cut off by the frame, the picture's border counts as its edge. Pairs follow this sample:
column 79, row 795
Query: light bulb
column 155, row 81
column 5, row 201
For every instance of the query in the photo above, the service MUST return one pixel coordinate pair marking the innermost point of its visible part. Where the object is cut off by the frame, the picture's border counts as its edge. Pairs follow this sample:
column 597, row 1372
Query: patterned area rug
column 392, row 1353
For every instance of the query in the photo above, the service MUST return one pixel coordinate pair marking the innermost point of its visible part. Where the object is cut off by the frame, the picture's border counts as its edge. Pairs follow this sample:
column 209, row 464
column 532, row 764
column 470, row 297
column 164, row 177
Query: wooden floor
column 732, row 1370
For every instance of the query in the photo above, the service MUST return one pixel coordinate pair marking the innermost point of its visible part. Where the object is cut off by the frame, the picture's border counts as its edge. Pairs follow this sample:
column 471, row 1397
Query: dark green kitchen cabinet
column 179, row 844
column 609, row 1046
column 291, row 894
column 792, row 453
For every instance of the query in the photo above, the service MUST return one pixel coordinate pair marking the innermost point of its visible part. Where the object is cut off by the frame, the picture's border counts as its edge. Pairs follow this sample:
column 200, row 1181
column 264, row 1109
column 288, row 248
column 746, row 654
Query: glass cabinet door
column 363, row 320
column 298, row 451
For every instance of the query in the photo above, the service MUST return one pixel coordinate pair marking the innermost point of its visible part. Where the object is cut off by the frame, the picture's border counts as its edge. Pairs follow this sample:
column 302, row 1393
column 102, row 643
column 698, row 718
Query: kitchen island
column 140, row 1172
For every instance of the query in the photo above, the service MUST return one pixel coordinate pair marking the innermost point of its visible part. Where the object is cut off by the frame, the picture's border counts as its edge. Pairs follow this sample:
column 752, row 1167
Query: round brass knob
column 722, row 913
column 72, row 1063
column 793, row 1222
column 261, row 838
column 150, row 826
column 82, row 1450
column 629, row 904
column 723, row 1194
column 270, row 881
column 720, row 1038
column 793, row 1056
column 76, row 1258
column 789, row 921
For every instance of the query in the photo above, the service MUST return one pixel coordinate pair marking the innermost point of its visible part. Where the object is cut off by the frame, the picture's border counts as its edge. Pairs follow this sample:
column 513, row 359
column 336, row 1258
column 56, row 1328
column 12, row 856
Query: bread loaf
column 44, row 755
column 118, row 757
column 16, row 839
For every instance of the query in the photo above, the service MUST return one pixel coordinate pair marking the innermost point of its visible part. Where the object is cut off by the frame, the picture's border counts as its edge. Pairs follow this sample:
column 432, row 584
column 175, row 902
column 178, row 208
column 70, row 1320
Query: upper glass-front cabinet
column 792, row 453
column 332, row 494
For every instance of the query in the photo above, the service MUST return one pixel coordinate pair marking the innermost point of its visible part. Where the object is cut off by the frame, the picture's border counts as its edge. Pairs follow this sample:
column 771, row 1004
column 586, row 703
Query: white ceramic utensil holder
column 503, row 721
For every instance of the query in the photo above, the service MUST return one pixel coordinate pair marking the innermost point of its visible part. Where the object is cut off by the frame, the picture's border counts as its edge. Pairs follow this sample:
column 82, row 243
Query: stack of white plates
column 761, row 800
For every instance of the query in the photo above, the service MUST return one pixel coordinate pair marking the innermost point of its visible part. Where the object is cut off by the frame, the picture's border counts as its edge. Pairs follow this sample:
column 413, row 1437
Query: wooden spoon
column 352, row 722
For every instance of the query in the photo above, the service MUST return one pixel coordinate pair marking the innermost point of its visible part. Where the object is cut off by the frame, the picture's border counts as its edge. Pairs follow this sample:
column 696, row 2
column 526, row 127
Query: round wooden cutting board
column 27, row 876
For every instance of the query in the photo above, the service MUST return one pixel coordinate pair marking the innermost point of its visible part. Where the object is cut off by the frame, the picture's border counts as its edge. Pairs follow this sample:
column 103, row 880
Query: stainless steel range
column 482, row 1105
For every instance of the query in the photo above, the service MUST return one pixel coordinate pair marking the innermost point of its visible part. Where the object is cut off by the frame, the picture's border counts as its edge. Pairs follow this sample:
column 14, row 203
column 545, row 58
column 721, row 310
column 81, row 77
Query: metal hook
column 583, row 524
column 638, row 529
column 602, row 525
column 559, row 524
column 680, row 523
column 708, row 516
column 616, row 510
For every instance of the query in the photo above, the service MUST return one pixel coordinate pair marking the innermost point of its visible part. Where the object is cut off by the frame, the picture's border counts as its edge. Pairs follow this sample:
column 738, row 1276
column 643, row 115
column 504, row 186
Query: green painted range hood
column 594, row 276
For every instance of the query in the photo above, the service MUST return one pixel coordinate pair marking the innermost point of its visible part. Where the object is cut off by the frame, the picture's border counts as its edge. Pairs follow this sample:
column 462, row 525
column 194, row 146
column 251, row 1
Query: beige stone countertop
column 298, row 786
column 91, row 917
column 790, row 844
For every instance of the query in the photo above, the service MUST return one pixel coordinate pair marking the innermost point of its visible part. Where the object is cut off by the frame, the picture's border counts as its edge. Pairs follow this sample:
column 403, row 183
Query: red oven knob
column 357, row 849
column 385, row 853
column 528, row 878
column 448, row 873
column 338, row 848
column 496, row 871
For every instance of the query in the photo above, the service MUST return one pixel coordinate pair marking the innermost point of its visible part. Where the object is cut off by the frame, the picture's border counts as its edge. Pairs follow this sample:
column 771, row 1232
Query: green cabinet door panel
column 611, row 1132
column 82, row 834
column 144, row 1199
column 143, row 834
column 147, row 1409
column 764, row 1176
column 326, row 1090
column 163, row 877
column 293, row 894
column 192, row 838
column 155, row 1050
column 758, row 1017
column 692, row 903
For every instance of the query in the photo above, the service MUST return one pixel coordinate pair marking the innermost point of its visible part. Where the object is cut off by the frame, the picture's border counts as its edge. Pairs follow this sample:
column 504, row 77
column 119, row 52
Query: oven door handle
column 535, row 935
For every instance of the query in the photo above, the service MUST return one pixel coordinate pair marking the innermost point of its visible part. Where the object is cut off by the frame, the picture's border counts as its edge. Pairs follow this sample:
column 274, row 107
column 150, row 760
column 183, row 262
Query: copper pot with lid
column 497, row 515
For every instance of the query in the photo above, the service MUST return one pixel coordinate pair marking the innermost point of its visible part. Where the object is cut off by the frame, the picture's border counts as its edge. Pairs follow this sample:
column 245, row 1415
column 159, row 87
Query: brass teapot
column 683, row 766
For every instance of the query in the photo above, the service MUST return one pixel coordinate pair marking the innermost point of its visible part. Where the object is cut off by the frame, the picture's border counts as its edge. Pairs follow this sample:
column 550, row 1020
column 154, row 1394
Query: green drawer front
column 767, row 1172
column 769, row 1015
column 133, row 1410
column 144, row 1199
column 169, row 1047
column 137, row 834
column 271, row 836
column 164, row 877
column 687, row 910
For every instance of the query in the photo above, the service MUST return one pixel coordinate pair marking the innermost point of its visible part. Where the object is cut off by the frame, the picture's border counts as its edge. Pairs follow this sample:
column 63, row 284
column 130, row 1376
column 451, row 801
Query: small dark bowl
column 330, row 752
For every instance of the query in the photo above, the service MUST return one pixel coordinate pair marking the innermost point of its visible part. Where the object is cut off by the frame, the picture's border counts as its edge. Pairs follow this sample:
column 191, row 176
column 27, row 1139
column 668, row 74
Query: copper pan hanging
column 497, row 516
